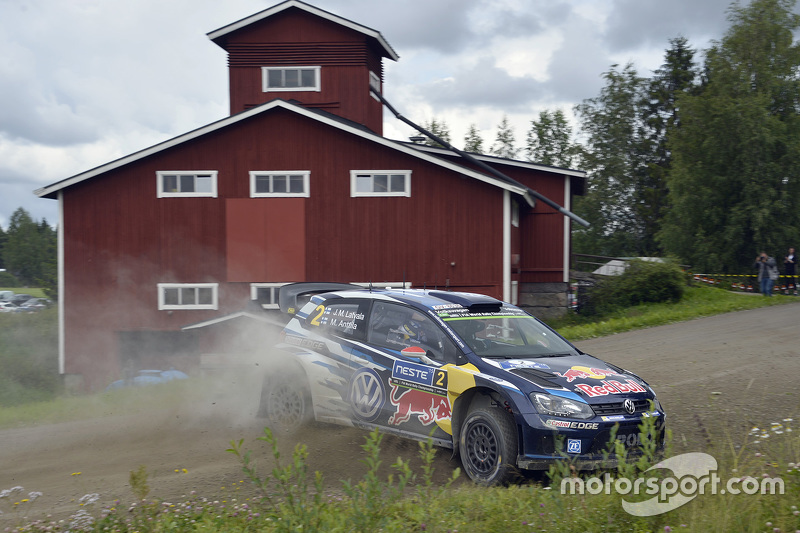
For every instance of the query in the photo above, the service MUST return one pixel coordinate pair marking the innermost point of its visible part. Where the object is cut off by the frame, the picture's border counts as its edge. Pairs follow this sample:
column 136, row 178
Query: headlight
column 557, row 406
column 657, row 405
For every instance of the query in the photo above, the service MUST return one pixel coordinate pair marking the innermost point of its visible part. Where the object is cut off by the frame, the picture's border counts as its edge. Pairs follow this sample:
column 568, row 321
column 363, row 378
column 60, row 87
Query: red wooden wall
column 297, row 38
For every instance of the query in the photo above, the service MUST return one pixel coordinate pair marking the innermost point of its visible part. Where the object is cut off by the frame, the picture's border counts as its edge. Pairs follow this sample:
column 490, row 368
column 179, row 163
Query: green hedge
column 642, row 282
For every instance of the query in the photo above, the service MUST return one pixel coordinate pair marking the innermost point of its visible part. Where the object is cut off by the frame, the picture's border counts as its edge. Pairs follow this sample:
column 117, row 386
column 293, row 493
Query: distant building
column 165, row 252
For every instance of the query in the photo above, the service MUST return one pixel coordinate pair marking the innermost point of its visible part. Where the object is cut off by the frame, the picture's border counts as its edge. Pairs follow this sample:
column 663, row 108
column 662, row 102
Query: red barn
column 161, row 250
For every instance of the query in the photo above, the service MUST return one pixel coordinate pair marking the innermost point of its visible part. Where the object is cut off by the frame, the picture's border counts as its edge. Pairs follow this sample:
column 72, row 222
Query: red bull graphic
column 610, row 386
column 428, row 406
column 584, row 372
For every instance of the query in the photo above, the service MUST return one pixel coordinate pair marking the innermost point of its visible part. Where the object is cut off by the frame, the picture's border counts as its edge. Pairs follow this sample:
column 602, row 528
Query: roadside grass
column 33, row 291
column 290, row 498
column 121, row 402
column 697, row 302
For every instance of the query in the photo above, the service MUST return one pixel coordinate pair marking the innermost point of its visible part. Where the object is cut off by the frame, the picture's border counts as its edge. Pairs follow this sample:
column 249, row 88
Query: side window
column 339, row 317
column 398, row 327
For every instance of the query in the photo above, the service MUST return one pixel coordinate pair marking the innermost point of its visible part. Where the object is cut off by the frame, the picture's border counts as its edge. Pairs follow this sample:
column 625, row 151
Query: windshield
column 510, row 333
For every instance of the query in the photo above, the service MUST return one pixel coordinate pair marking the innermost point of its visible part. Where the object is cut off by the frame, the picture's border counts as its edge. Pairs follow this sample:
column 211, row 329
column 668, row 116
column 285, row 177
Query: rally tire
column 285, row 401
column 488, row 446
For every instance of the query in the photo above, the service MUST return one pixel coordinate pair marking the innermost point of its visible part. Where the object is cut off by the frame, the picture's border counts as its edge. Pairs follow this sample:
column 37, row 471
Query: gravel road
column 716, row 378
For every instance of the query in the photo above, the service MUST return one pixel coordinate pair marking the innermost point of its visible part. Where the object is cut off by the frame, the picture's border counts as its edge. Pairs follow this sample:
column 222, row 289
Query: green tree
column 504, row 142
column 29, row 247
column 3, row 239
column 473, row 142
column 549, row 140
column 734, row 187
column 438, row 128
column 614, row 157
column 676, row 76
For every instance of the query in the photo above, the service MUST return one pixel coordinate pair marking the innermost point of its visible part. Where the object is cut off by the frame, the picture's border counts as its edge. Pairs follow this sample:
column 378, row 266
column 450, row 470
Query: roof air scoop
column 476, row 303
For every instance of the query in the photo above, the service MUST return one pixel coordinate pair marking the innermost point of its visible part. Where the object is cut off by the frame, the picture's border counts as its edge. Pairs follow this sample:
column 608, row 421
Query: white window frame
column 317, row 87
column 161, row 193
column 374, row 83
column 355, row 174
column 163, row 306
column 274, row 304
column 272, row 173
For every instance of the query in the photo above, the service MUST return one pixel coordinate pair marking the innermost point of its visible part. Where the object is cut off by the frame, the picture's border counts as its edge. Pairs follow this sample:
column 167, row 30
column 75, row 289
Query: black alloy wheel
column 488, row 446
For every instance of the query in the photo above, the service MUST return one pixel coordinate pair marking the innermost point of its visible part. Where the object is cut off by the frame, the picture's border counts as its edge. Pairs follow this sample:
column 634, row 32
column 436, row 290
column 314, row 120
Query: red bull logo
column 610, row 387
column 428, row 406
column 584, row 372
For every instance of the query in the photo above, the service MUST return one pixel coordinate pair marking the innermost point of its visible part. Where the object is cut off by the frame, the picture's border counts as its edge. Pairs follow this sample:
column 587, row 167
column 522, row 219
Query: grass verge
column 290, row 498
column 697, row 302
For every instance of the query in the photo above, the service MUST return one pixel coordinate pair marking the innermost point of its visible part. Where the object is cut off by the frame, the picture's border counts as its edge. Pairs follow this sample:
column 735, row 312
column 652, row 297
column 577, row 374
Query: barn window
column 380, row 183
column 187, row 296
column 266, row 294
column 375, row 84
column 183, row 183
column 290, row 79
column 293, row 183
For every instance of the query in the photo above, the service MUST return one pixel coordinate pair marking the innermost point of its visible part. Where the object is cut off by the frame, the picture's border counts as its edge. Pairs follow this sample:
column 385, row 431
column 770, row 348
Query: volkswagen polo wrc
column 479, row 376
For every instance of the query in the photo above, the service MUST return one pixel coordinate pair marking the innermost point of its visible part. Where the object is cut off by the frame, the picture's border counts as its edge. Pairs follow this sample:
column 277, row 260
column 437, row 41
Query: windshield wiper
column 528, row 356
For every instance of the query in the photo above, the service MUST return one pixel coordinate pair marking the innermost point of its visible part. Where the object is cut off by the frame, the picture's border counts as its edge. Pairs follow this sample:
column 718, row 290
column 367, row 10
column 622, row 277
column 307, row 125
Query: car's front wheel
column 488, row 446
column 285, row 401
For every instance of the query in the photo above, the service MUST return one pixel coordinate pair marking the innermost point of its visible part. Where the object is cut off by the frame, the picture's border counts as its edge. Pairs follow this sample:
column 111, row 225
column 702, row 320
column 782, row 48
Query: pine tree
column 438, row 128
column 504, row 142
column 473, row 142
column 549, row 140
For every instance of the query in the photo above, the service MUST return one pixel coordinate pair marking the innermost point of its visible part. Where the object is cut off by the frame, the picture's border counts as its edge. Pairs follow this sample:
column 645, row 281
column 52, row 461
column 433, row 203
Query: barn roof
column 50, row 191
column 218, row 36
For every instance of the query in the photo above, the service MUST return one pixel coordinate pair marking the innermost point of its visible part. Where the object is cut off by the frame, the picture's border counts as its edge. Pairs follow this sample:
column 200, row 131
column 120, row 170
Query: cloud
column 83, row 82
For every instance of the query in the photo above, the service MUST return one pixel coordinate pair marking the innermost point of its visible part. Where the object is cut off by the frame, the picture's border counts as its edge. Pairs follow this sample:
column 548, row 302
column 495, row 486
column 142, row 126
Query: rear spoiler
column 288, row 295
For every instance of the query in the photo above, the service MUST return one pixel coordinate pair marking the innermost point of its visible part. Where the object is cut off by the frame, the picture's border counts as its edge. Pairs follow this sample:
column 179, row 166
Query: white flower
column 89, row 499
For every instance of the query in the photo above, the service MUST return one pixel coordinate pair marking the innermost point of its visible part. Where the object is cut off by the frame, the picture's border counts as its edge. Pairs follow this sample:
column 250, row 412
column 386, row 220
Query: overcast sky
column 84, row 82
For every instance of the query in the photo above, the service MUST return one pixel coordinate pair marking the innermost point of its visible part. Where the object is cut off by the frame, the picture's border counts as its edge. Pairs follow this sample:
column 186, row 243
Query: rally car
column 475, row 374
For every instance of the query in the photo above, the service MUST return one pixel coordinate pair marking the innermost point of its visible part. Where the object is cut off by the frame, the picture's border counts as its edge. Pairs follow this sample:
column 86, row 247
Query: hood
column 593, row 380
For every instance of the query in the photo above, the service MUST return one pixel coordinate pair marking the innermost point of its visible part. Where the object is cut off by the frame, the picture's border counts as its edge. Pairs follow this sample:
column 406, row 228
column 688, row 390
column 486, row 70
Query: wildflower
column 89, row 499
column 667, row 529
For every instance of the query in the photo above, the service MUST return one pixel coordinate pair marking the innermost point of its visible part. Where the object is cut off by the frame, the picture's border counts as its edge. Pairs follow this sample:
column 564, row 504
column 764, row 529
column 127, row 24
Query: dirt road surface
column 716, row 378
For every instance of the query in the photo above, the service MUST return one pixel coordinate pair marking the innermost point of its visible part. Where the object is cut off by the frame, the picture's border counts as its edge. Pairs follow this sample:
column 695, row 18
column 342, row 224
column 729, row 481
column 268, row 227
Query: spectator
column 790, row 272
column 767, row 273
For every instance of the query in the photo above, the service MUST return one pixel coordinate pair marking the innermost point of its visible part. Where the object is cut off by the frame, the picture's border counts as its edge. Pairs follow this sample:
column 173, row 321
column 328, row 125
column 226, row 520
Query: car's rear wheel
column 285, row 401
column 488, row 446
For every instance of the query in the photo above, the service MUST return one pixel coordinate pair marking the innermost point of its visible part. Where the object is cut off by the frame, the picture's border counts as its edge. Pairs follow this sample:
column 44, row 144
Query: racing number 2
column 315, row 320
column 440, row 378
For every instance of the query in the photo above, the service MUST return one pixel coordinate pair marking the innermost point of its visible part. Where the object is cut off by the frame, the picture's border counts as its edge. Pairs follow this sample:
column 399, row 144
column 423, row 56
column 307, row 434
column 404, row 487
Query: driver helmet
column 412, row 330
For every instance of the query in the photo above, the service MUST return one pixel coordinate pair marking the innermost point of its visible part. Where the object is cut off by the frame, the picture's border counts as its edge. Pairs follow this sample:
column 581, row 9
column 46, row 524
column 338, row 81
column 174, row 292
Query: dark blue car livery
column 477, row 375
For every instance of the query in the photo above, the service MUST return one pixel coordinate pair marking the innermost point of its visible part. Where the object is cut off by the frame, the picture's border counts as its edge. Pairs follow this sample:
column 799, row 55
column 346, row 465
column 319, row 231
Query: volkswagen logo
column 367, row 394
column 629, row 406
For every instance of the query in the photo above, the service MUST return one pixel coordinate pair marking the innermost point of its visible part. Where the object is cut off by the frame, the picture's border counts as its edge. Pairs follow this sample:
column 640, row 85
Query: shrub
column 642, row 282
column 7, row 279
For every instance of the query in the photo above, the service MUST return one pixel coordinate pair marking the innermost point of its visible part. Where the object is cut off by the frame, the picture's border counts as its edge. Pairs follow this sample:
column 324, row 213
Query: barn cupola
column 295, row 51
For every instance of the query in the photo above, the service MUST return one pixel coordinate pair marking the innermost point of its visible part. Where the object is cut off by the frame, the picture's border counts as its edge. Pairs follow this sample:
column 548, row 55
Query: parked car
column 474, row 374
column 148, row 377
column 7, row 307
column 19, row 299
column 35, row 304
